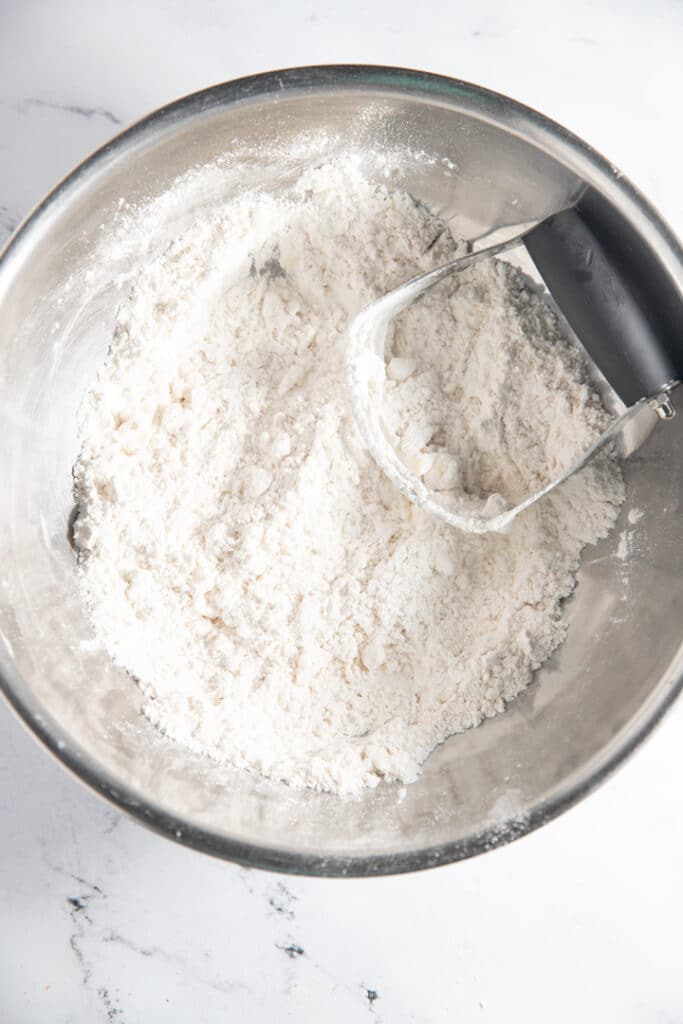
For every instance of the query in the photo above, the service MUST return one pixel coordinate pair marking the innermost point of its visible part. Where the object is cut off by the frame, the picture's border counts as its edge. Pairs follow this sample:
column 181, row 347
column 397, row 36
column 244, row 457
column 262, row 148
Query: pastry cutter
column 625, row 311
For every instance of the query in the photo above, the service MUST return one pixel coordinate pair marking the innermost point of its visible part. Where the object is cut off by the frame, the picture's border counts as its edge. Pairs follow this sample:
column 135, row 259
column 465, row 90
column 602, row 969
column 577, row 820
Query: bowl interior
column 484, row 168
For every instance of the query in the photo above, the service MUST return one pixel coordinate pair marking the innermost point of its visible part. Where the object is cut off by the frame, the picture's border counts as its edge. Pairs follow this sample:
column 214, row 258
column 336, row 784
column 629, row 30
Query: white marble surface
column 103, row 921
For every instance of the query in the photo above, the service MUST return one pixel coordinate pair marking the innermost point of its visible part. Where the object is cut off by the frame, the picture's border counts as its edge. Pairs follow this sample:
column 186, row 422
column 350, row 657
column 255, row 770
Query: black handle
column 623, row 307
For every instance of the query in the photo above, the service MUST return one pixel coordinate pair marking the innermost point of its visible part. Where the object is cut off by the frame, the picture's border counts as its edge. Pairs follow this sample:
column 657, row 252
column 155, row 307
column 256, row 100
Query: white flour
column 281, row 605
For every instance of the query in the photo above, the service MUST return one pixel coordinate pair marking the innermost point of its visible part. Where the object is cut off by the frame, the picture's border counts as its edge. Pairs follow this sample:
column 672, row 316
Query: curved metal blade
column 365, row 376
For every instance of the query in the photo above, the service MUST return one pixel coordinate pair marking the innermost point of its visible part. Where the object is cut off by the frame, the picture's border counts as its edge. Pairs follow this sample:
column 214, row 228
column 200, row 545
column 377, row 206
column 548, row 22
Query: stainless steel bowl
column 485, row 162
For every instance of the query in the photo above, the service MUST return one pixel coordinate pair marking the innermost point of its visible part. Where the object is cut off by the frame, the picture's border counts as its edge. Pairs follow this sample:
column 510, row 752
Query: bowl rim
column 546, row 135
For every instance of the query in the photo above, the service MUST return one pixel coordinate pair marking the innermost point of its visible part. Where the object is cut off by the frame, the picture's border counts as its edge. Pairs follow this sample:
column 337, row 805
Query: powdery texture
column 283, row 608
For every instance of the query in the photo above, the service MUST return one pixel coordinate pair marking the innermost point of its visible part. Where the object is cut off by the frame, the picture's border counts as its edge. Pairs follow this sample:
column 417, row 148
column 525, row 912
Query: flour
column 282, row 606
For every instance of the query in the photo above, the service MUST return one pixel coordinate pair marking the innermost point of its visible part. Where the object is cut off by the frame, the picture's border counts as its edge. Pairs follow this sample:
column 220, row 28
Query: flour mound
column 282, row 606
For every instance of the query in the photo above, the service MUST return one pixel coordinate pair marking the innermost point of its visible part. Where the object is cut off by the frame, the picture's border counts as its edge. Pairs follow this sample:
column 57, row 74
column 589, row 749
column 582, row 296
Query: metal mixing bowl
column 484, row 162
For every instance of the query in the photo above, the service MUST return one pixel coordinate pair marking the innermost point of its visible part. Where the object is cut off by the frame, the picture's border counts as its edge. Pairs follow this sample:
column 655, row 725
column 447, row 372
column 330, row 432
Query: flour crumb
column 282, row 607
column 624, row 545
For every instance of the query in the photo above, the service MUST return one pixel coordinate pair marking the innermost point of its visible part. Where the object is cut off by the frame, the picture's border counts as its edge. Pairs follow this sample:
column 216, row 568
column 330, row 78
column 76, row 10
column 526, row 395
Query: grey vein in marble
column 68, row 108
column 109, row 1003
column 372, row 995
column 84, row 908
column 114, row 818
column 81, row 920
column 282, row 901
column 8, row 222
column 217, row 984
column 292, row 950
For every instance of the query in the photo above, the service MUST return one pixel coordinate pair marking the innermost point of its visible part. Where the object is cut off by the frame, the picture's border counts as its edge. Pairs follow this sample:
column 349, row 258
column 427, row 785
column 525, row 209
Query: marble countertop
column 101, row 920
